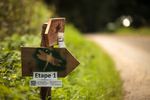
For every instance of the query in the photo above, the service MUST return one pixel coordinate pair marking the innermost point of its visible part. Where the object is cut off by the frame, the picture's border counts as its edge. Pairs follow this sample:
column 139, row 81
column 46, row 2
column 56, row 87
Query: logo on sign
column 49, row 60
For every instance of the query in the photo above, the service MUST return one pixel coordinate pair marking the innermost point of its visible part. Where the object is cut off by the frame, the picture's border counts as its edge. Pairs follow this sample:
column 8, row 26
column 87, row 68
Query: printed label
column 44, row 75
column 46, row 83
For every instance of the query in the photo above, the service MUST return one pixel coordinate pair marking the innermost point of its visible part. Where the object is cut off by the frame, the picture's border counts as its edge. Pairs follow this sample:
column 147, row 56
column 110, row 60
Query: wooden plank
column 44, row 91
column 54, row 26
column 43, row 40
column 38, row 59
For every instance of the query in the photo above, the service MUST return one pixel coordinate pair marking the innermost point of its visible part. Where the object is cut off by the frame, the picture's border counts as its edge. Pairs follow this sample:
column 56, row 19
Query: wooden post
column 45, row 92
column 64, row 59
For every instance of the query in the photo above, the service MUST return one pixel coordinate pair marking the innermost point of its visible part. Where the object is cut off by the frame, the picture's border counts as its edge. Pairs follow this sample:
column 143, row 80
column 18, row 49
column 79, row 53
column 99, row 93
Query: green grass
column 94, row 79
column 133, row 31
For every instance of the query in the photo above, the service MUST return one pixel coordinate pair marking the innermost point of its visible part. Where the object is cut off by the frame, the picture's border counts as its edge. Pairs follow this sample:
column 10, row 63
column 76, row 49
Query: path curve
column 131, row 55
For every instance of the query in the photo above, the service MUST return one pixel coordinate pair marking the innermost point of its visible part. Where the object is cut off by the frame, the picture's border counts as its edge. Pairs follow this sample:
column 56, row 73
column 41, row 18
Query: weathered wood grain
column 43, row 40
column 54, row 26
column 44, row 91
column 30, row 61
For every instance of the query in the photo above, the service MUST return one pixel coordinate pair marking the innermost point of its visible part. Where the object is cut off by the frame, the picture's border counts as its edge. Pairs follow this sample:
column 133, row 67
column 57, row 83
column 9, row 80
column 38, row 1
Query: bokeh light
column 126, row 22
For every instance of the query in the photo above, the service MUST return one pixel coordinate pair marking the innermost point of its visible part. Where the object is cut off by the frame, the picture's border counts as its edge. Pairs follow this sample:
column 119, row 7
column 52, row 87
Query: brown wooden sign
column 46, row 58
column 54, row 26
column 42, row 59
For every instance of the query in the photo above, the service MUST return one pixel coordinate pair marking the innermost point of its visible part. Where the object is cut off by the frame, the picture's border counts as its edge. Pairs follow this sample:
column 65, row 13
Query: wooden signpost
column 47, row 58
column 39, row 59
column 55, row 25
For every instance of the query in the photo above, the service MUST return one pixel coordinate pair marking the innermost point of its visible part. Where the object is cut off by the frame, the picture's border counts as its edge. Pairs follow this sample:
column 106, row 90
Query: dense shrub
column 22, row 16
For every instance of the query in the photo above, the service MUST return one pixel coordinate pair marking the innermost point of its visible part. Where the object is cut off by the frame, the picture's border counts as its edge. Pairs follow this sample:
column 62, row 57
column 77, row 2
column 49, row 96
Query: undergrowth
column 134, row 31
column 94, row 79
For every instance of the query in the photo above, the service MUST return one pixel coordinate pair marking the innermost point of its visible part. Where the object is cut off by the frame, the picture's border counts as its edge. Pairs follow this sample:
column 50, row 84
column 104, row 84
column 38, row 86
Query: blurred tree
column 137, row 9
column 86, row 15
column 93, row 15
column 21, row 16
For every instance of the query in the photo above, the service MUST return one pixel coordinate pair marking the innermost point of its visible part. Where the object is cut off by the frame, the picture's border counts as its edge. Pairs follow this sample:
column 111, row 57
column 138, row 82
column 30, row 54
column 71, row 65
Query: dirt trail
column 131, row 55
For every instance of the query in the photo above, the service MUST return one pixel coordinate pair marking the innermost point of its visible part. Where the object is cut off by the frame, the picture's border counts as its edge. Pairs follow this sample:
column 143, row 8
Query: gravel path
column 131, row 55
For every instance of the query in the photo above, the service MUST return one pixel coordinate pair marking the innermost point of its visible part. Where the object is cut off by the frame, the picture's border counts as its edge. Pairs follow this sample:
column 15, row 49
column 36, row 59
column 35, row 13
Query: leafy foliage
column 93, row 16
column 94, row 79
column 21, row 16
column 12, row 84
column 86, row 15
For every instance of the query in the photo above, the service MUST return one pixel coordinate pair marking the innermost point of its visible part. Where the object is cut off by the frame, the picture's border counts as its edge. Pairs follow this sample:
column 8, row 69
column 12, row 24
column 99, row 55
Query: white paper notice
column 61, row 42
column 46, row 83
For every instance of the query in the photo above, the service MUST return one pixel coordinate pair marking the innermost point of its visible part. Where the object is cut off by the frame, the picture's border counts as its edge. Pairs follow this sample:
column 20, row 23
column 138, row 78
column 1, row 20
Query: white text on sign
column 44, row 75
column 46, row 83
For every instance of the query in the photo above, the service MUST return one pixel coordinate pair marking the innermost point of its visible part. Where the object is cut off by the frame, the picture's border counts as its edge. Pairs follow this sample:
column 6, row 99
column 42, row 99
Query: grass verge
column 133, row 31
column 95, row 78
